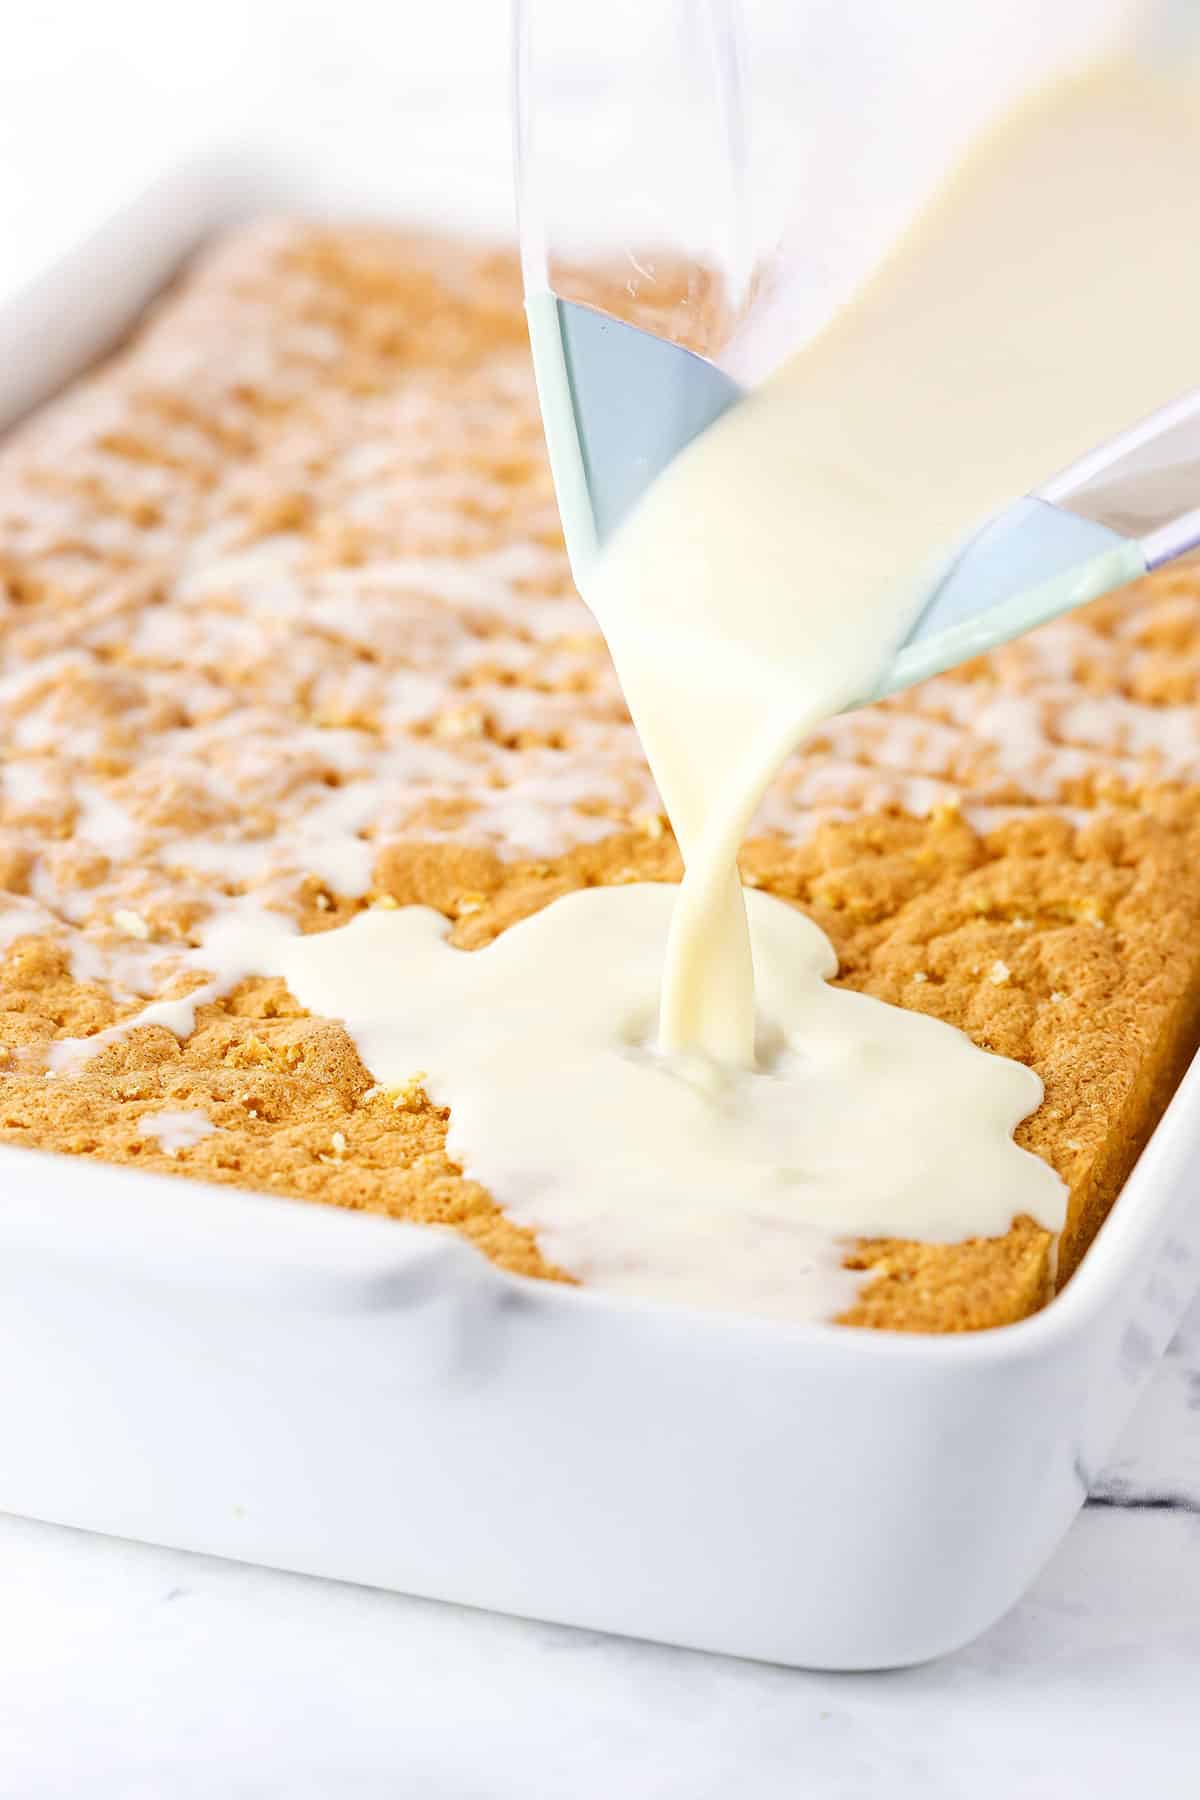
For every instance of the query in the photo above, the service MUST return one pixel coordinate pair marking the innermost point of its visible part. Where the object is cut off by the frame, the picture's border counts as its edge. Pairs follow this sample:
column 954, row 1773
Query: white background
column 133, row 1672
column 92, row 95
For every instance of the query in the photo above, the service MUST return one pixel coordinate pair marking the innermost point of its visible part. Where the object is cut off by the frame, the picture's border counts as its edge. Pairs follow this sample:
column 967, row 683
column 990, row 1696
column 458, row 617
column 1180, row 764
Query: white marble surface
column 132, row 1673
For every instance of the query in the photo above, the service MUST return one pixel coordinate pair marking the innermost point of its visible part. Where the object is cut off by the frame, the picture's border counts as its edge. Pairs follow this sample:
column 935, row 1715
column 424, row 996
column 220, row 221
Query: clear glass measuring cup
column 703, row 184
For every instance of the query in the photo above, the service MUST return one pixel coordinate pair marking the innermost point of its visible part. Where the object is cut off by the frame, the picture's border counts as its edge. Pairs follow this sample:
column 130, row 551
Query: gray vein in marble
column 1156, row 1465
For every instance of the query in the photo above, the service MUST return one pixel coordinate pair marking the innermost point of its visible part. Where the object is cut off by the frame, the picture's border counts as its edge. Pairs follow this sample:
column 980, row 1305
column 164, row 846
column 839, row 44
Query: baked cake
column 286, row 611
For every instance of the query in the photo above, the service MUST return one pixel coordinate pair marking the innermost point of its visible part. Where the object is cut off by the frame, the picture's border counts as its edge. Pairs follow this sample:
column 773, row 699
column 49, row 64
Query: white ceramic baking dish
column 352, row 1397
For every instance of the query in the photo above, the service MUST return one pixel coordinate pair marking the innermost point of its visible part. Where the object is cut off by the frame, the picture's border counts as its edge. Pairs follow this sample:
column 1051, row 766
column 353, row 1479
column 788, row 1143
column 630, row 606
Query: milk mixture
column 777, row 563
column 716, row 1136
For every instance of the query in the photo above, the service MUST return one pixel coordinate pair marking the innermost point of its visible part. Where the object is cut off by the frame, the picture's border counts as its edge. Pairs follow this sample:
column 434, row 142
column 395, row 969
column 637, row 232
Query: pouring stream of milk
column 766, row 578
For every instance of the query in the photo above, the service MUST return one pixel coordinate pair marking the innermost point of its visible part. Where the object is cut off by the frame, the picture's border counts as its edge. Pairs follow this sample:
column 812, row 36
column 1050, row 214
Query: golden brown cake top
column 286, row 613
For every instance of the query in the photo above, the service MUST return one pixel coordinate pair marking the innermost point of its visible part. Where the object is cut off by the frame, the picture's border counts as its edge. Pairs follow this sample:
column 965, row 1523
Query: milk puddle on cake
column 722, row 1144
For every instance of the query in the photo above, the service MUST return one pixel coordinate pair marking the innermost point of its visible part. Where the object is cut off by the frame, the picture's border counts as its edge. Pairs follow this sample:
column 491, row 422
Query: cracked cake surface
column 286, row 617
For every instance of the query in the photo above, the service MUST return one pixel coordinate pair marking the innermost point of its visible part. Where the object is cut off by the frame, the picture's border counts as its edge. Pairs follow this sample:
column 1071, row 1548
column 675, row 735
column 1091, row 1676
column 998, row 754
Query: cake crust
column 286, row 612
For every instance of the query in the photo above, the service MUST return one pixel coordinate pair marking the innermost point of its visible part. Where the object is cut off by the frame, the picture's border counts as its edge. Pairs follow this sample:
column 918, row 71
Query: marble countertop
column 130, row 1672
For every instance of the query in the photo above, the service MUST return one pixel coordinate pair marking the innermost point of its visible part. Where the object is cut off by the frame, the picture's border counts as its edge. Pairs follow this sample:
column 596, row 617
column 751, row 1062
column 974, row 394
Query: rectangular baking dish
column 353, row 1397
